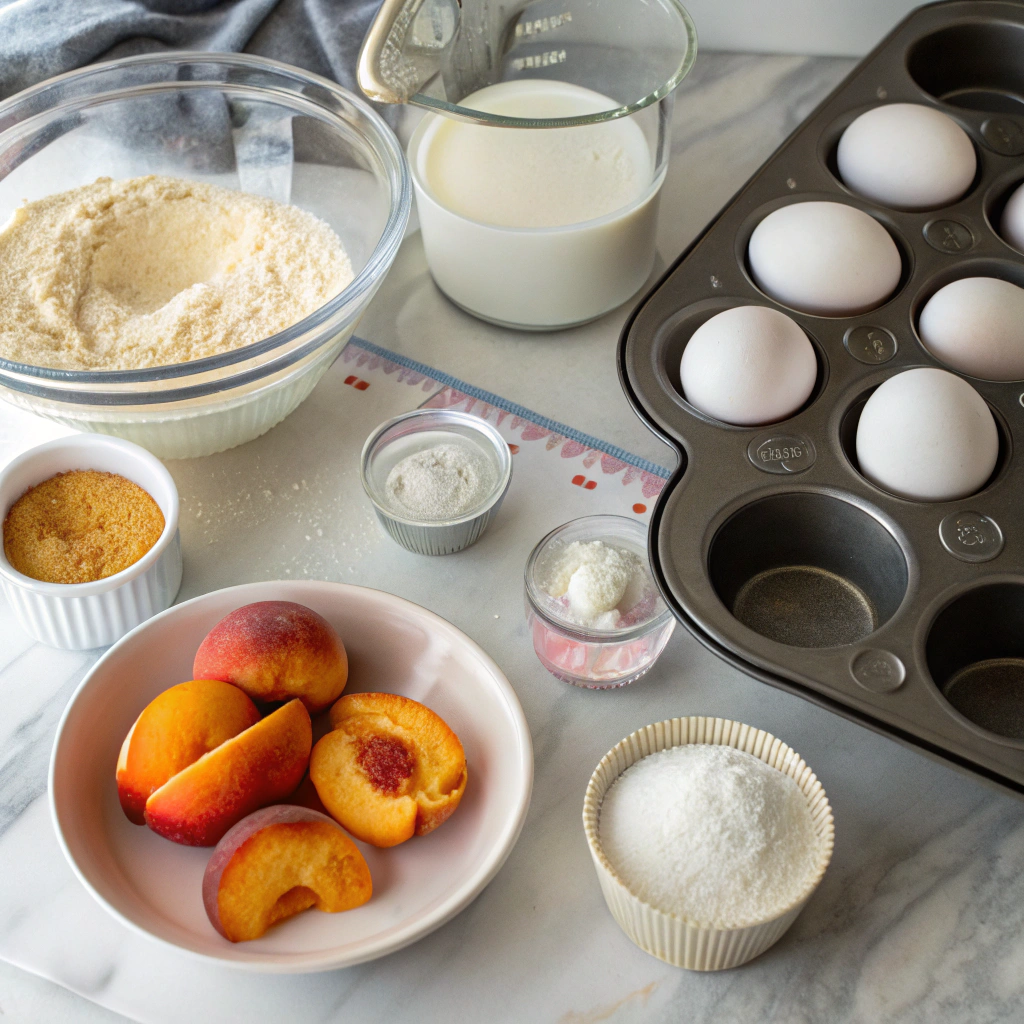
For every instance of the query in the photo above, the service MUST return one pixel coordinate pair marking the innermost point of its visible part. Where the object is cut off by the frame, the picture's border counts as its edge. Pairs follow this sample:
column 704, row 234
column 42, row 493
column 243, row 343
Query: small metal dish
column 414, row 431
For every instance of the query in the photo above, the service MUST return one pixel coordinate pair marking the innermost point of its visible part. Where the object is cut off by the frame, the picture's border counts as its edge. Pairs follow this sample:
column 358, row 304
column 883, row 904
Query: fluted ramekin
column 670, row 937
column 424, row 536
column 78, row 616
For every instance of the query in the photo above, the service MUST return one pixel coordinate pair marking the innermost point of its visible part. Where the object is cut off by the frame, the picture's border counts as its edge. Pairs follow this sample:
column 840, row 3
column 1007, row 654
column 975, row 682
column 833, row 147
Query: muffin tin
column 768, row 543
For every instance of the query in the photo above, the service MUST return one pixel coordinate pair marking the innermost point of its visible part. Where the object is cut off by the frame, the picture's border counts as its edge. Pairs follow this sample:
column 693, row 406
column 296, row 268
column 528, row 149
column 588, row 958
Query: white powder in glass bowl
column 598, row 585
column 150, row 271
column 710, row 833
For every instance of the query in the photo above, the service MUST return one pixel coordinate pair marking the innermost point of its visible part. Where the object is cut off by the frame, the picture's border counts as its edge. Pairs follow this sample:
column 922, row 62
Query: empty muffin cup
column 808, row 570
column 462, row 467
column 594, row 612
column 975, row 654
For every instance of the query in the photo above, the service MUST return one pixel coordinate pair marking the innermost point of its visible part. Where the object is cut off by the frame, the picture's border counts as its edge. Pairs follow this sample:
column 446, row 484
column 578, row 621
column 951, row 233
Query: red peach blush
column 176, row 728
column 276, row 650
column 258, row 767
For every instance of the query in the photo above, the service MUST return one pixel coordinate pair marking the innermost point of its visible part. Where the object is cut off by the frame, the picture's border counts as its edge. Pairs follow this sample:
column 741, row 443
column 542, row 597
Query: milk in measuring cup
column 536, row 228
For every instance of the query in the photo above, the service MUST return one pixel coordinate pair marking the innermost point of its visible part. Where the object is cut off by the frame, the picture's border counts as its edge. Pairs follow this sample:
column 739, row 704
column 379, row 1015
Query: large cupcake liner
column 672, row 938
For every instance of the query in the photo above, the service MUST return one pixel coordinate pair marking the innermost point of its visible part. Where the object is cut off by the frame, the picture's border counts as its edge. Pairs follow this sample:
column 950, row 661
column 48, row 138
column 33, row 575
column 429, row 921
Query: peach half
column 390, row 768
column 176, row 728
column 276, row 650
column 260, row 766
column 278, row 862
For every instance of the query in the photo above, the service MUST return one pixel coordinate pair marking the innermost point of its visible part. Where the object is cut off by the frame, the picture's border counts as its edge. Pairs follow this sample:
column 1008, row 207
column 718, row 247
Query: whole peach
column 274, row 651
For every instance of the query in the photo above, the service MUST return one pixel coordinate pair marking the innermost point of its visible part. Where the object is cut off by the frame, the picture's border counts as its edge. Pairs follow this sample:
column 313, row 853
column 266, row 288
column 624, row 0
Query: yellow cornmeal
column 120, row 275
column 81, row 526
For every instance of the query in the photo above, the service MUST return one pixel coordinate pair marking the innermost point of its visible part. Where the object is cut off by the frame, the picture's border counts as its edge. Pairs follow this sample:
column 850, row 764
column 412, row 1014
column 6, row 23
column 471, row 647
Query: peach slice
column 278, row 862
column 276, row 650
column 390, row 769
column 176, row 728
column 260, row 766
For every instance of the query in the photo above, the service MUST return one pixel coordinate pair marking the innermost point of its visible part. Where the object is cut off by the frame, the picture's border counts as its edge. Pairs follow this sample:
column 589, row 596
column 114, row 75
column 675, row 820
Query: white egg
column 828, row 259
column 927, row 435
column 748, row 365
column 976, row 326
column 907, row 155
column 1012, row 224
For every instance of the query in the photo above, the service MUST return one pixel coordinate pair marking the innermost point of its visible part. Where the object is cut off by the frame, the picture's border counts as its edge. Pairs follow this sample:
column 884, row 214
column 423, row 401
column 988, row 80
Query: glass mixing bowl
column 232, row 120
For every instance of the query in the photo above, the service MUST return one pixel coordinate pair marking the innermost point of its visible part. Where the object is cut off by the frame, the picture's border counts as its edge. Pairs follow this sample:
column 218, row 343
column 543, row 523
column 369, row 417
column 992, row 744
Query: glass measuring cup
column 435, row 53
column 598, row 76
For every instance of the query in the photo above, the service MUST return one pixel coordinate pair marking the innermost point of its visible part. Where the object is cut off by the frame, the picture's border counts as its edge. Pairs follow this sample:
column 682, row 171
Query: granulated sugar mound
column 120, row 275
column 710, row 833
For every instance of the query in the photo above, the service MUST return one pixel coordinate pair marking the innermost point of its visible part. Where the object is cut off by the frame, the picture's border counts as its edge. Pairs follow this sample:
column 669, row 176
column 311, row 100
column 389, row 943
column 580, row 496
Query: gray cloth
column 41, row 38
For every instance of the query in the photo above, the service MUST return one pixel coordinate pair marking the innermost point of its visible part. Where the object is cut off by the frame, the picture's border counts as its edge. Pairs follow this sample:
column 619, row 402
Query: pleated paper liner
column 670, row 937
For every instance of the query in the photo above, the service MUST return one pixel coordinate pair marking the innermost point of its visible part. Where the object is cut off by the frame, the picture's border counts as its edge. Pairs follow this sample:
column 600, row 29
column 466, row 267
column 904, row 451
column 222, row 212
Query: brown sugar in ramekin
column 80, row 526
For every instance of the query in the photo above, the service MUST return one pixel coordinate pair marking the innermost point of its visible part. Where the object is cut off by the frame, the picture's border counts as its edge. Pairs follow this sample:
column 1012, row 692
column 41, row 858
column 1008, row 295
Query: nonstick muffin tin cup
column 674, row 939
column 768, row 542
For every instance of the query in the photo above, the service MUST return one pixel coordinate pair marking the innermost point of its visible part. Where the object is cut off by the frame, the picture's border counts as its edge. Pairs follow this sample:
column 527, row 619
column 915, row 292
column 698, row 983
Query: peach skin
column 390, row 769
column 260, row 766
column 276, row 650
column 176, row 728
column 278, row 862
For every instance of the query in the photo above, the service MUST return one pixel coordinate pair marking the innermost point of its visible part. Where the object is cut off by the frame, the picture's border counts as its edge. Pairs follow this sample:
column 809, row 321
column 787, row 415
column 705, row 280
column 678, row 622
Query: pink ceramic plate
column 154, row 886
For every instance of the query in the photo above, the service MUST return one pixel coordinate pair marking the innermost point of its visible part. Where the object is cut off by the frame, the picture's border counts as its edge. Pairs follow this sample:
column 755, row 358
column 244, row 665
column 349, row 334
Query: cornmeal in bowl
column 153, row 271
column 80, row 526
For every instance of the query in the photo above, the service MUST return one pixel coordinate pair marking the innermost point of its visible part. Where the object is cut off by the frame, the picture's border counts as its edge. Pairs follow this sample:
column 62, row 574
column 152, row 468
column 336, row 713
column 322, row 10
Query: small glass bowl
column 412, row 432
column 599, row 659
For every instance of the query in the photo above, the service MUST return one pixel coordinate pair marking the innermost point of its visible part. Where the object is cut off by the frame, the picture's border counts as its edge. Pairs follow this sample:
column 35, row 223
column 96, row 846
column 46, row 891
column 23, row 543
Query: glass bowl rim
column 460, row 113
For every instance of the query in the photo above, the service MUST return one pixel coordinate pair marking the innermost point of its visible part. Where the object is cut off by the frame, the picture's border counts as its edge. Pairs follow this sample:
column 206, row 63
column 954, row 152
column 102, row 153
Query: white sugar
column 710, row 833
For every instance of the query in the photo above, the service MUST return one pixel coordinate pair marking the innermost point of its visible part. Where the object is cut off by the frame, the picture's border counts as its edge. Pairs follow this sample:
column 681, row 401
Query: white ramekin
column 675, row 939
column 78, row 616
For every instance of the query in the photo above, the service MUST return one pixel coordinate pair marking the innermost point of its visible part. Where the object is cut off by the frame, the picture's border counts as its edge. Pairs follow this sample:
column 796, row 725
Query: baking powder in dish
column 445, row 481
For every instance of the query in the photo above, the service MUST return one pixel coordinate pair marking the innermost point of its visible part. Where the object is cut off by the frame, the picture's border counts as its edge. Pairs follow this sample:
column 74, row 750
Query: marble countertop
column 921, row 914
